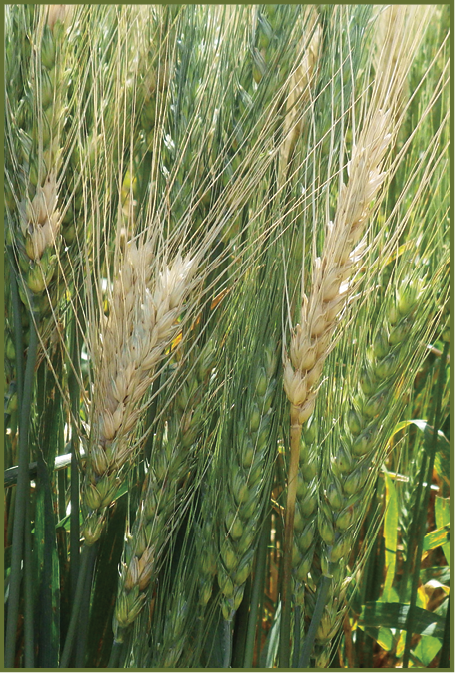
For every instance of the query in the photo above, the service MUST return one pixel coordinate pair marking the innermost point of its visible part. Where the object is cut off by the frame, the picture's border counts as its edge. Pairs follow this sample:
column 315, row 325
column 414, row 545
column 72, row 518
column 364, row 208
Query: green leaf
column 442, row 515
column 213, row 644
column 427, row 649
column 105, row 589
column 440, row 574
column 436, row 538
column 394, row 615
column 383, row 636
column 442, row 458
column 270, row 650
column 390, row 536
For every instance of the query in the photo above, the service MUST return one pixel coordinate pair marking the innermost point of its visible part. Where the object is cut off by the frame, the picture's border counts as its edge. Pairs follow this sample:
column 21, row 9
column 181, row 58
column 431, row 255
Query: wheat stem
column 227, row 643
column 22, row 493
column 29, row 635
column 18, row 334
column 78, row 596
column 74, row 394
column 116, row 652
column 296, row 430
column 84, row 614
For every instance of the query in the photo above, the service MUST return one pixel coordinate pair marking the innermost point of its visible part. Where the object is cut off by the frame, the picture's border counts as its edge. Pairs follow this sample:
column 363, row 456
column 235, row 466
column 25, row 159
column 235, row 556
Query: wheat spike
column 310, row 341
column 163, row 497
column 141, row 325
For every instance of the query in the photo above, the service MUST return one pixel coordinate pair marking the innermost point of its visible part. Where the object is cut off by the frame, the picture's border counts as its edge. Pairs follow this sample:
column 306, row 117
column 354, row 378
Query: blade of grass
column 390, row 535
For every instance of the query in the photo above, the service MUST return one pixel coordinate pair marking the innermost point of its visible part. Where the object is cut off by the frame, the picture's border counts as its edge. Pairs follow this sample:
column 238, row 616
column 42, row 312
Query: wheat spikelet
column 40, row 221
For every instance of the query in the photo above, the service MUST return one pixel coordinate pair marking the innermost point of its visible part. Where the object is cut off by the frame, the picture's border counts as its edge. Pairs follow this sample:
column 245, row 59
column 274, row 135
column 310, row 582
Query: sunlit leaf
column 442, row 514
column 390, row 535
column 394, row 615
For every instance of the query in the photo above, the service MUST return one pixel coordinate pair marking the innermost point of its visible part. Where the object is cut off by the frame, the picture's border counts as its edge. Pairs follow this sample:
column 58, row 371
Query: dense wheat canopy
column 227, row 264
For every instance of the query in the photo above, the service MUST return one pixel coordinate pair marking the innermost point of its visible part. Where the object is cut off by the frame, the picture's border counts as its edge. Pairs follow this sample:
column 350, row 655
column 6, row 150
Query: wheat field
column 227, row 336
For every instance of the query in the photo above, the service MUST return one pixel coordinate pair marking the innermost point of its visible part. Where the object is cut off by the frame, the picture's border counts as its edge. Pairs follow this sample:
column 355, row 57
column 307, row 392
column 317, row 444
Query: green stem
column 11, row 509
column 285, row 626
column 241, row 627
column 74, row 394
column 227, row 643
column 323, row 591
column 61, row 484
column 258, row 585
column 116, row 651
column 29, row 648
column 22, row 493
column 70, row 636
column 297, row 627
column 126, row 649
column 18, row 333
column 424, row 508
column 84, row 617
